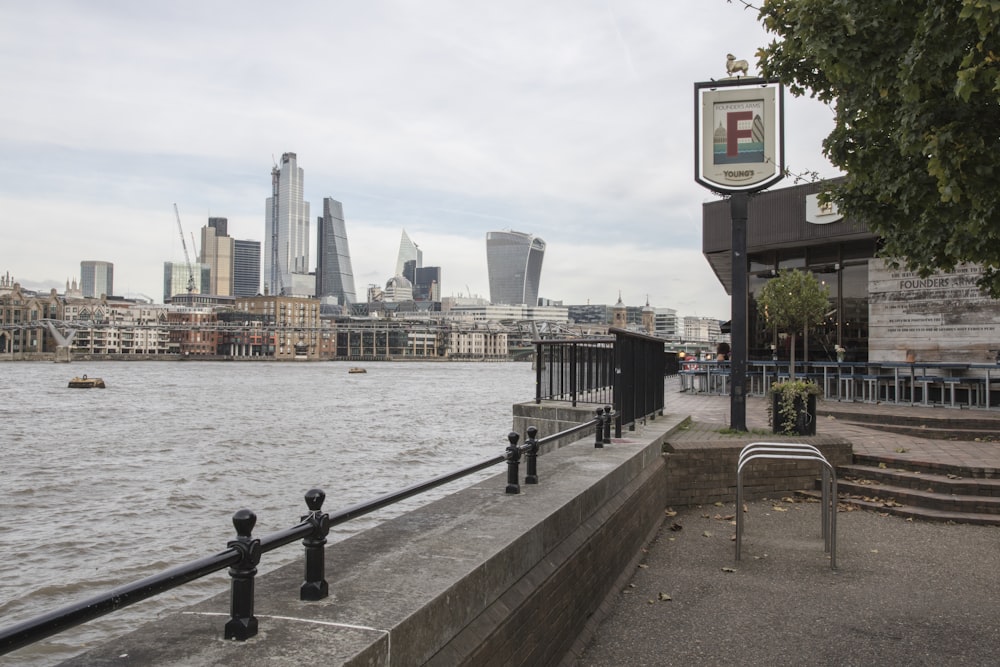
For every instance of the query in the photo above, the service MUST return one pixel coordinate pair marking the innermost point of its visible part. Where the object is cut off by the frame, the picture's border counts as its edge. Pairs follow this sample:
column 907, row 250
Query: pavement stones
column 905, row 592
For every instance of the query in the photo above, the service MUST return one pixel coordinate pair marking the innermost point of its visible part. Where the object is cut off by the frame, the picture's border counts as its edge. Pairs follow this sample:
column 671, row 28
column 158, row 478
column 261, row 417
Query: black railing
column 581, row 369
column 625, row 370
column 243, row 554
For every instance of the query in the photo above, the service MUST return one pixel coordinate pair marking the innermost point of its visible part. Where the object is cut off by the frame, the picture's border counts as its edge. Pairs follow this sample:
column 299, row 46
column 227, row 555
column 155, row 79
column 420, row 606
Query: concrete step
column 848, row 502
column 889, row 461
column 950, row 484
column 933, row 432
column 934, row 418
column 866, row 489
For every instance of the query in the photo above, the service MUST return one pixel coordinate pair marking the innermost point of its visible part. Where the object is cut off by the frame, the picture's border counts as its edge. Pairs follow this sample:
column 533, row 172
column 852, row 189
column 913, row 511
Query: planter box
column 805, row 420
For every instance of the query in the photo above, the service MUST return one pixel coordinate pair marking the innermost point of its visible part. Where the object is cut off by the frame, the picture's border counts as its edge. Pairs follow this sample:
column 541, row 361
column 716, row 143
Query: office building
column 408, row 250
column 217, row 253
column 334, row 275
column 246, row 267
column 426, row 281
column 514, row 265
column 286, row 232
column 97, row 278
column 176, row 277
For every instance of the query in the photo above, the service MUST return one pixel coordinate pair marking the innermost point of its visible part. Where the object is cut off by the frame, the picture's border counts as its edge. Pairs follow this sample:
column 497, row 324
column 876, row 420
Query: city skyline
column 572, row 121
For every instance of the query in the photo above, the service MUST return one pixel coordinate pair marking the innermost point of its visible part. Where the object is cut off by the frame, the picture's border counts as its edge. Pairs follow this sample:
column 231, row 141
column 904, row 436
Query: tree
column 793, row 301
column 915, row 88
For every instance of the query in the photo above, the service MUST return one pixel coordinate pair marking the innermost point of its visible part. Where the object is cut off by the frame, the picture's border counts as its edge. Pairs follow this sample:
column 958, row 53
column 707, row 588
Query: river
column 101, row 487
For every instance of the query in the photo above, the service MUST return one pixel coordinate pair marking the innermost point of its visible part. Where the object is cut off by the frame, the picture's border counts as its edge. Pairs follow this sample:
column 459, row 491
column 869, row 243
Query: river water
column 102, row 487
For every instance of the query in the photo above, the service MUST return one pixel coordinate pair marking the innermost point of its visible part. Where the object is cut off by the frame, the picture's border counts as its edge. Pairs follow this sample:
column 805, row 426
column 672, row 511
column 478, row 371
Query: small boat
column 86, row 383
column 357, row 369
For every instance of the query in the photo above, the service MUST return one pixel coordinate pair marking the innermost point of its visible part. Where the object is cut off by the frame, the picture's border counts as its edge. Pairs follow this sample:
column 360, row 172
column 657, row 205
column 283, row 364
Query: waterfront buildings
column 217, row 250
column 286, row 232
column 514, row 265
column 97, row 278
column 246, row 267
column 334, row 274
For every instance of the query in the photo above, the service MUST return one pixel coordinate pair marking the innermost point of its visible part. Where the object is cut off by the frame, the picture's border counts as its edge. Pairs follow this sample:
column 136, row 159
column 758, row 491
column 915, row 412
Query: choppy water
column 99, row 488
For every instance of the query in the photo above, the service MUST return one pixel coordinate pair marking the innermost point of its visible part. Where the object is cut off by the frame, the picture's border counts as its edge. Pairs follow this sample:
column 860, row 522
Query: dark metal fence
column 243, row 553
column 625, row 370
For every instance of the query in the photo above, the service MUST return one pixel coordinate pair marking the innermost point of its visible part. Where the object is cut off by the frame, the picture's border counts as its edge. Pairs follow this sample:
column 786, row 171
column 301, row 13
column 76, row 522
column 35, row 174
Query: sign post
column 739, row 150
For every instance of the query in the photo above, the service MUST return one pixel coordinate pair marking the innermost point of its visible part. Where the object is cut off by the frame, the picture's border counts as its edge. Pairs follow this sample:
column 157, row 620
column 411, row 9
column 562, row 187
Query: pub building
column 877, row 315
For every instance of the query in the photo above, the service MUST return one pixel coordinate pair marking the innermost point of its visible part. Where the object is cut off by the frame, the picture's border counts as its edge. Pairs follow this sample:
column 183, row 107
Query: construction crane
column 187, row 258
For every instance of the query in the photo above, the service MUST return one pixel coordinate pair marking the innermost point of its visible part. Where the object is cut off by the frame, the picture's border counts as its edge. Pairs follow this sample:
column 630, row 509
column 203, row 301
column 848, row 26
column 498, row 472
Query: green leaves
column 793, row 300
column 916, row 92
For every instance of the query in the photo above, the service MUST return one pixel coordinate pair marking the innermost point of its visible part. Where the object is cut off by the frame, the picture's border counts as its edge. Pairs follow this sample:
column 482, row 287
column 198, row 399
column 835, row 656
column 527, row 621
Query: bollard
column 513, row 458
column 242, row 623
column 599, row 432
column 315, row 586
column 531, row 456
column 607, row 424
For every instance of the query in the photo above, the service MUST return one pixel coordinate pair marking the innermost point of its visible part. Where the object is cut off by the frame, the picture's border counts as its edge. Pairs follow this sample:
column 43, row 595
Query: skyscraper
column 175, row 279
column 334, row 275
column 408, row 250
column 286, row 232
column 514, row 265
column 246, row 267
column 97, row 278
column 217, row 253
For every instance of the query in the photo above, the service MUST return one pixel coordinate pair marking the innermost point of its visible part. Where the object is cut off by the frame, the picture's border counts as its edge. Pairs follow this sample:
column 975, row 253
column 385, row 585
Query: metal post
column 242, row 623
column 738, row 349
column 599, row 431
column 607, row 425
column 315, row 586
column 513, row 459
column 531, row 456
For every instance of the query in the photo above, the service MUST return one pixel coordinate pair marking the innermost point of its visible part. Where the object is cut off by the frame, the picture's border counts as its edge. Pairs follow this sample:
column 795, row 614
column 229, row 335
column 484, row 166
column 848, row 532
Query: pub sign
column 739, row 132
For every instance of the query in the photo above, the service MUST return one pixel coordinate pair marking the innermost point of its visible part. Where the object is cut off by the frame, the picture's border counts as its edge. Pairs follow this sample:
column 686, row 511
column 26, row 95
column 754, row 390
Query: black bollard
column 513, row 458
column 531, row 456
column 242, row 623
column 599, row 431
column 607, row 424
column 315, row 586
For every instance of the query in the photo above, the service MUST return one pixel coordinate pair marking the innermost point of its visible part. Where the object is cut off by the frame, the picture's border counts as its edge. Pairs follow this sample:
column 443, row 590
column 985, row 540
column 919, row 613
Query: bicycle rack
column 793, row 452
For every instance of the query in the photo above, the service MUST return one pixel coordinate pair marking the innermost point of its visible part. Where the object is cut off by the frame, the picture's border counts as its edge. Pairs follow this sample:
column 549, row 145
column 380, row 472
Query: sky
column 568, row 119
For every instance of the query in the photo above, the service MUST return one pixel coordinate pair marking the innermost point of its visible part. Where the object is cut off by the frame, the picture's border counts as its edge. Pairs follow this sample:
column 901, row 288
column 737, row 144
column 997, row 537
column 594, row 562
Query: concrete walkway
column 905, row 592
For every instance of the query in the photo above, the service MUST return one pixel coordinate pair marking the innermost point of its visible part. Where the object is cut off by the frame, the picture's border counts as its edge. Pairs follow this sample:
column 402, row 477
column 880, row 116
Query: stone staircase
column 922, row 490
column 913, row 490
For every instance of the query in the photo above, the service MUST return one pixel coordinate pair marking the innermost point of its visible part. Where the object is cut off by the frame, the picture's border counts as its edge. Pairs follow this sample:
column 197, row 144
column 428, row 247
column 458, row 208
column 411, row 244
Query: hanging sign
column 739, row 134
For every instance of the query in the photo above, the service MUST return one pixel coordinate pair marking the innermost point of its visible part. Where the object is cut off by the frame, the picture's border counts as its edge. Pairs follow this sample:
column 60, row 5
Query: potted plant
column 791, row 302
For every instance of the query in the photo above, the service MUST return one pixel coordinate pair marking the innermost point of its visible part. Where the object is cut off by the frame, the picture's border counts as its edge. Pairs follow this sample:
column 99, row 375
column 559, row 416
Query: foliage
column 915, row 90
column 793, row 301
column 793, row 395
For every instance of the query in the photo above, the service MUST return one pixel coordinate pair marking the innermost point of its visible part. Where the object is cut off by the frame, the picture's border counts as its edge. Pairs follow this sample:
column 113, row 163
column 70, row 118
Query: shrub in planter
column 793, row 407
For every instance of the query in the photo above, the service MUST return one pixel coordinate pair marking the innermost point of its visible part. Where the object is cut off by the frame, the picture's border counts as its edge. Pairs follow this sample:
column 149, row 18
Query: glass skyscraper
column 97, row 278
column 408, row 250
column 286, row 232
column 334, row 275
column 514, row 265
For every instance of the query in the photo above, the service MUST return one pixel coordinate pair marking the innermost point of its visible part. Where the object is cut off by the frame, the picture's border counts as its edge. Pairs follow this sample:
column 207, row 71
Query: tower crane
column 187, row 258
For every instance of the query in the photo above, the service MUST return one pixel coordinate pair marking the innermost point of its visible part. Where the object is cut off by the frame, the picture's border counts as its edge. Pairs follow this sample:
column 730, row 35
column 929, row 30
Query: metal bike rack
column 793, row 452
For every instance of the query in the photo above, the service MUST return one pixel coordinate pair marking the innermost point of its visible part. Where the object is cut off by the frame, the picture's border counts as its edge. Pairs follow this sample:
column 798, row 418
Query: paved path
column 905, row 592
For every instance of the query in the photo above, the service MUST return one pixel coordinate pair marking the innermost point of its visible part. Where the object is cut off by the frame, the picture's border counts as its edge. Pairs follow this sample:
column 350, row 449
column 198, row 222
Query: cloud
column 570, row 120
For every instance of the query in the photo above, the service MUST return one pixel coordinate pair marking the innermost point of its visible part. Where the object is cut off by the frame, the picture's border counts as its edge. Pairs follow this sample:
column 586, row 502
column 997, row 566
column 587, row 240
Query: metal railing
column 625, row 370
column 243, row 554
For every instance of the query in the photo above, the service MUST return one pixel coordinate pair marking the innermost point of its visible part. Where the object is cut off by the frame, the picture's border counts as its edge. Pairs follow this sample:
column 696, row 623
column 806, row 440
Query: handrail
column 243, row 553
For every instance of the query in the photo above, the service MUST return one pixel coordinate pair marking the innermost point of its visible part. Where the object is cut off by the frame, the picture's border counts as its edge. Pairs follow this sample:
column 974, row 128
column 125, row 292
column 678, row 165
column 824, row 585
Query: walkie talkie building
column 514, row 265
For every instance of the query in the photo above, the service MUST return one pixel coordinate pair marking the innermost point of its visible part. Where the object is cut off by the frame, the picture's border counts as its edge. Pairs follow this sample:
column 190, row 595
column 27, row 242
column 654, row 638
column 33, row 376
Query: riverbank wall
column 479, row 577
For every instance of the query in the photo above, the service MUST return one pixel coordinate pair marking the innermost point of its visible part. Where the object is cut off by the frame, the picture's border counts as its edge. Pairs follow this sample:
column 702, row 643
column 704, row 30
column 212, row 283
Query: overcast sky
column 568, row 119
